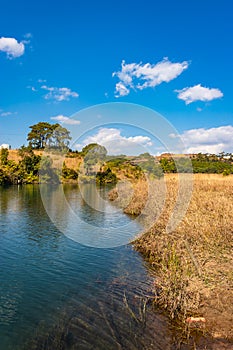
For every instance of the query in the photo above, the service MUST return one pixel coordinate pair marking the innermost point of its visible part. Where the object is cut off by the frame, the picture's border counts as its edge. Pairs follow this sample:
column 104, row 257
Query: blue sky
column 57, row 58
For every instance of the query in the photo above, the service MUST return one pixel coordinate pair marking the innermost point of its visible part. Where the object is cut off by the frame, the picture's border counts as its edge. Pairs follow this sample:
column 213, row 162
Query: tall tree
column 60, row 138
column 39, row 134
column 45, row 134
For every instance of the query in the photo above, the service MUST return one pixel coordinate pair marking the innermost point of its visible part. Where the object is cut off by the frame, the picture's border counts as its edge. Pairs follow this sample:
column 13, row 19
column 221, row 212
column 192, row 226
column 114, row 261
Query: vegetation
column 29, row 165
column 4, row 156
column 192, row 264
column 124, row 168
column 68, row 173
column 106, row 177
column 93, row 163
column 201, row 163
column 44, row 134
column 149, row 165
column 26, row 170
column 30, row 168
column 47, row 173
column 93, row 155
column 94, row 149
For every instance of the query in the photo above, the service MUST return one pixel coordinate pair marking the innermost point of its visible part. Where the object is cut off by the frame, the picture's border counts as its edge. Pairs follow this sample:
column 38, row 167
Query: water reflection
column 95, row 224
column 50, row 284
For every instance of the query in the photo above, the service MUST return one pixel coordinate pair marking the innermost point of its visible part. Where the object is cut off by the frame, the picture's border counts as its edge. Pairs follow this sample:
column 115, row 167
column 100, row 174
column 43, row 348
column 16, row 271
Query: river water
column 56, row 293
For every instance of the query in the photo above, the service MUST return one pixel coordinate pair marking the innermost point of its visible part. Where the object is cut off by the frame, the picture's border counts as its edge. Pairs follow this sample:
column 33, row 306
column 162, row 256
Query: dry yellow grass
column 130, row 196
column 72, row 163
column 194, row 262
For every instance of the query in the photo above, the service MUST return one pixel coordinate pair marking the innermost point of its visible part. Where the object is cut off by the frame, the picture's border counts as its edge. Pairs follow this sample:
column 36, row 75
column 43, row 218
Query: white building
column 5, row 145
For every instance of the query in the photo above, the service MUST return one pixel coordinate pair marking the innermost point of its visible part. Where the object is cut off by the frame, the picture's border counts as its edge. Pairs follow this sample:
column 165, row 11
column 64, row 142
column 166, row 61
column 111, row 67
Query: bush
column 106, row 177
column 68, row 173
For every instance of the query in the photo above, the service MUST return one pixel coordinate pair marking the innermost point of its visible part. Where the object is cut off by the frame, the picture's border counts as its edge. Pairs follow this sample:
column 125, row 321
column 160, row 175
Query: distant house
column 5, row 145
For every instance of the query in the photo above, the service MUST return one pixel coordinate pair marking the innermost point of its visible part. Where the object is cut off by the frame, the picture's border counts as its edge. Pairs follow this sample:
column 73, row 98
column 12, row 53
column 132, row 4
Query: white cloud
column 5, row 114
column 121, row 90
column 198, row 93
column 140, row 76
column 59, row 94
column 65, row 120
column 12, row 47
column 213, row 140
column 115, row 143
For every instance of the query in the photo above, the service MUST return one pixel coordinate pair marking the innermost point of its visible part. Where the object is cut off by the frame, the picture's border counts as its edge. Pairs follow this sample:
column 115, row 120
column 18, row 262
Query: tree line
column 201, row 163
column 96, row 164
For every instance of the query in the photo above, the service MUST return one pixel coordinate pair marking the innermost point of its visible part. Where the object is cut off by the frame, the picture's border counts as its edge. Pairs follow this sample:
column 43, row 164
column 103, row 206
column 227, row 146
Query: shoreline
column 193, row 264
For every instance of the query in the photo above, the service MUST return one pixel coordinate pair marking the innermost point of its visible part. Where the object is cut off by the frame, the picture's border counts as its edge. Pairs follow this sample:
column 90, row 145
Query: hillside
column 24, row 165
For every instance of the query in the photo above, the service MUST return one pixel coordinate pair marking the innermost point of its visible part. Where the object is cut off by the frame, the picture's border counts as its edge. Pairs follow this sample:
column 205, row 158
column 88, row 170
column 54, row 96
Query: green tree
column 4, row 178
column 68, row 173
column 94, row 154
column 93, row 148
column 40, row 134
column 60, row 138
column 28, row 165
column 47, row 173
column 45, row 134
column 106, row 177
column 168, row 165
column 4, row 156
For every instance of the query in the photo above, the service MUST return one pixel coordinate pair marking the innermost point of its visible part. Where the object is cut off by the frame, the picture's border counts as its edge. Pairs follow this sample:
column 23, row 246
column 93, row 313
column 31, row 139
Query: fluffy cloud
column 121, row 90
column 12, row 47
column 213, row 140
column 59, row 94
column 65, row 120
column 140, row 76
column 198, row 93
column 115, row 143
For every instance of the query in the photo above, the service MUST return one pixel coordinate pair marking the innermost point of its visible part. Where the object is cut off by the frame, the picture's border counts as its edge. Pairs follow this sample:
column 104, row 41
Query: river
column 56, row 293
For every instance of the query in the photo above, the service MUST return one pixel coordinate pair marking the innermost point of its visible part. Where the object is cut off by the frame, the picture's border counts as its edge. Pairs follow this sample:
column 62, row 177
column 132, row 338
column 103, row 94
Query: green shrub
column 106, row 177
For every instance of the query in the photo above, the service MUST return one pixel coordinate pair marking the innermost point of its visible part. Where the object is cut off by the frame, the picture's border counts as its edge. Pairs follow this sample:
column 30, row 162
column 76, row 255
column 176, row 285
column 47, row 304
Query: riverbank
column 29, row 166
column 193, row 264
column 59, row 294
